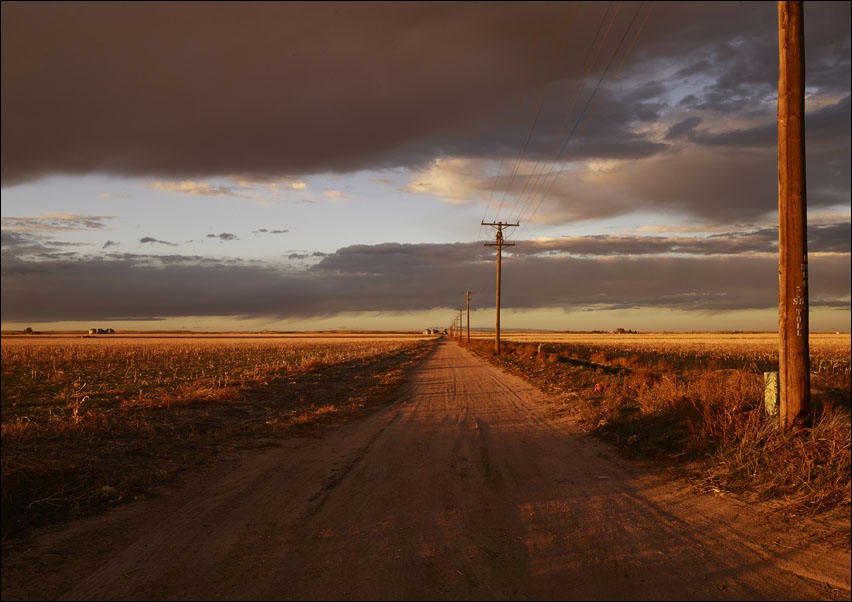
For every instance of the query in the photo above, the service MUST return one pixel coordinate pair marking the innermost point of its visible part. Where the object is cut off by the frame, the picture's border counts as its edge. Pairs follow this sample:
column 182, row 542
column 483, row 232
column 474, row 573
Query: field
column 692, row 350
column 694, row 403
column 93, row 421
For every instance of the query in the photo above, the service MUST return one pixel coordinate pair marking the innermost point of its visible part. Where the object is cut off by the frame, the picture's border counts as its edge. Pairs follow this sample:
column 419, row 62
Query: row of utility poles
column 456, row 329
column 499, row 242
column 793, row 303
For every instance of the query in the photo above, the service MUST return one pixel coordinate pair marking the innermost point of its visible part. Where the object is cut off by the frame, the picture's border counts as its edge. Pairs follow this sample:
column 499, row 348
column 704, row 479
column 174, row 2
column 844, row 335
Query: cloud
column 297, row 185
column 149, row 240
column 272, row 183
column 268, row 231
column 715, row 274
column 200, row 90
column 335, row 195
column 524, row 108
column 224, row 236
column 194, row 188
column 454, row 181
column 55, row 222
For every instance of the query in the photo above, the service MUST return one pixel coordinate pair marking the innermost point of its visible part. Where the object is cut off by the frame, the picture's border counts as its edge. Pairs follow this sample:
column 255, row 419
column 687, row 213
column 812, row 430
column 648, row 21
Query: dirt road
column 465, row 488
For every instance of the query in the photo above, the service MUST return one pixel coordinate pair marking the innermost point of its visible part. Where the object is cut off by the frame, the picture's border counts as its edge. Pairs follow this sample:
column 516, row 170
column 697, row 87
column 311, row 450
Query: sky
column 216, row 166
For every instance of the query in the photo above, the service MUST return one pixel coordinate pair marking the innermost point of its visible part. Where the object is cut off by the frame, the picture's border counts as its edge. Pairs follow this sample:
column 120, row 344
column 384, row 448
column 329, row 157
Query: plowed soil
column 467, row 487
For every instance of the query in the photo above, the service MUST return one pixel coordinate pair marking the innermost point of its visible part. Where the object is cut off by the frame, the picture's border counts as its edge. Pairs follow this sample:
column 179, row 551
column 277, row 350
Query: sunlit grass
column 91, row 422
column 695, row 404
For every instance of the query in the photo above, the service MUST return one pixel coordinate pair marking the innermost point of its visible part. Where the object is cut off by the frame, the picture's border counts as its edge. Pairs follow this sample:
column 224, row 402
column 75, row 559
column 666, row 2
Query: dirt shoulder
column 465, row 487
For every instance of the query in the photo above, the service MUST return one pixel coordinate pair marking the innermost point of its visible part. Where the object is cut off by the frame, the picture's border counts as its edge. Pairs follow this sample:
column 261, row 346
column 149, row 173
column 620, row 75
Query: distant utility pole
column 793, row 307
column 467, row 306
column 499, row 243
column 460, row 324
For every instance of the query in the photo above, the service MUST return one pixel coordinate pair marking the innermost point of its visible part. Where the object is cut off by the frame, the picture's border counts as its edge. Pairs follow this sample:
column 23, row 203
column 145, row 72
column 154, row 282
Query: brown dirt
column 466, row 487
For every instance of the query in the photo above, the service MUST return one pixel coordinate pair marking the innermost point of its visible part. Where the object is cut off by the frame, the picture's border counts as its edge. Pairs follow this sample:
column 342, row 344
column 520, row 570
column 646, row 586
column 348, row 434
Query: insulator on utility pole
column 499, row 243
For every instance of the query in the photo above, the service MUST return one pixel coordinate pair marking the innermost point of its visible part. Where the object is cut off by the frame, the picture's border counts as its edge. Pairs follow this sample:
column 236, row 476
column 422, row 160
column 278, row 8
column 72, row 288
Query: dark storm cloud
column 683, row 129
column 276, row 88
column 402, row 278
column 26, row 243
column 180, row 89
column 830, row 238
column 829, row 126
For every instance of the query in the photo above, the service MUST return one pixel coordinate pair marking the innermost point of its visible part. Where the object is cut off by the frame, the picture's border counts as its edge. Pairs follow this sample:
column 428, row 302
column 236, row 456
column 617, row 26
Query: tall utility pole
column 467, row 306
column 793, row 307
column 499, row 243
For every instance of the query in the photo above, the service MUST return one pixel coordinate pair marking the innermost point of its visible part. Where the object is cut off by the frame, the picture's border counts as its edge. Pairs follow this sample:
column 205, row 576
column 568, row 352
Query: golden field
column 89, row 421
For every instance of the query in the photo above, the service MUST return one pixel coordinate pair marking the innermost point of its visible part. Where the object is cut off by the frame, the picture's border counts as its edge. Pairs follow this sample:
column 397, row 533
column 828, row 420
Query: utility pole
column 467, row 306
column 460, row 324
column 794, row 354
column 499, row 243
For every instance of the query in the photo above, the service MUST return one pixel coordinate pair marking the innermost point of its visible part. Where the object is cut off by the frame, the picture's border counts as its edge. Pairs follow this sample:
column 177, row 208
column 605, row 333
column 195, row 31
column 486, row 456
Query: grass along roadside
column 699, row 420
column 89, row 425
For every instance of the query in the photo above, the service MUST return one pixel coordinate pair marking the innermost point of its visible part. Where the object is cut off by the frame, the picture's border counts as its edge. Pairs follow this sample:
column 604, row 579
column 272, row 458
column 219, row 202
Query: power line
column 489, row 205
column 536, row 174
column 598, row 103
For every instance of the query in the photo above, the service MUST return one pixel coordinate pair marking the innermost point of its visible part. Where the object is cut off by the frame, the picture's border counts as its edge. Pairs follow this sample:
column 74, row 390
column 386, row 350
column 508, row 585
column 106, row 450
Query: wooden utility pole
column 461, row 330
column 467, row 306
column 500, row 243
column 794, row 354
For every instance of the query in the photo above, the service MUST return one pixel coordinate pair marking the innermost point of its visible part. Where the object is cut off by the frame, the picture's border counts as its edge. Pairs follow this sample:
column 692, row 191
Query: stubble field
column 89, row 422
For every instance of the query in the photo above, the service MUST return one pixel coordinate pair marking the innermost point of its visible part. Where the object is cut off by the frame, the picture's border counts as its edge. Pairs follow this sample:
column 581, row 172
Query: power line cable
column 489, row 205
column 538, row 169
column 598, row 104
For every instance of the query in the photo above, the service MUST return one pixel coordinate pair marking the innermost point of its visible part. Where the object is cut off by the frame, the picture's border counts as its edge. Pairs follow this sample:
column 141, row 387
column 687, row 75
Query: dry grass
column 88, row 423
column 695, row 404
